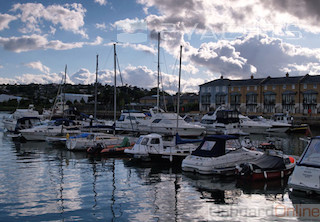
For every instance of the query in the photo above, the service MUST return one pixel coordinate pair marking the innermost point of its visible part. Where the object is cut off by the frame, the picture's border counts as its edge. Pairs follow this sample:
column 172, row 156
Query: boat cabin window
column 312, row 155
column 156, row 121
column 144, row 141
column 155, row 141
column 121, row 118
column 139, row 140
column 208, row 145
column 131, row 117
column 207, row 121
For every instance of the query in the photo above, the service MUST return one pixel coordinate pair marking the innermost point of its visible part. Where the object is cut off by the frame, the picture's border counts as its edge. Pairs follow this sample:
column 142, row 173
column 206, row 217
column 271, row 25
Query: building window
column 273, row 87
column 265, row 87
column 217, row 88
column 220, row 99
column 284, row 86
column 248, row 88
column 269, row 102
column 288, row 102
column 304, row 86
column 255, row 88
column 239, row 88
column 235, row 101
column 310, row 101
column 315, row 86
column 232, row 88
column 209, row 89
column 251, row 102
column 293, row 86
column 223, row 88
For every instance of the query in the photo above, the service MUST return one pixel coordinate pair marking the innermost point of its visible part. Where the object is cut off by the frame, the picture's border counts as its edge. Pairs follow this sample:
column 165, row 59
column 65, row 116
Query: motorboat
column 22, row 119
column 306, row 174
column 129, row 120
column 250, row 126
column 285, row 118
column 156, row 146
column 271, row 165
column 222, row 121
column 59, row 127
column 276, row 126
column 166, row 124
column 85, row 140
column 117, row 149
column 218, row 154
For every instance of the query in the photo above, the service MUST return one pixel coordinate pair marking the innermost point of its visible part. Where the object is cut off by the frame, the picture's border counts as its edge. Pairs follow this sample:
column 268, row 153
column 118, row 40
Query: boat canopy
column 311, row 155
column 179, row 140
column 213, row 146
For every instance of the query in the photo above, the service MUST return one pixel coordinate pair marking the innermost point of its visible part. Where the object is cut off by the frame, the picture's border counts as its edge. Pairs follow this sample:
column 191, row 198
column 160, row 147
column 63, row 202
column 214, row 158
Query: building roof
column 265, row 81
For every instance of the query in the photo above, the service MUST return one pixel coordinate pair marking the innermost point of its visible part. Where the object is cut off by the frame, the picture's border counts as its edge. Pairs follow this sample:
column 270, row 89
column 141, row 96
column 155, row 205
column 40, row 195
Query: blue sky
column 233, row 38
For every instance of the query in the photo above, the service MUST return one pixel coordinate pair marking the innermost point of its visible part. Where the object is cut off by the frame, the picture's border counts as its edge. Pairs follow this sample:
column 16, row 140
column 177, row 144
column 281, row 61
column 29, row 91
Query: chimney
column 251, row 76
column 221, row 77
column 287, row 75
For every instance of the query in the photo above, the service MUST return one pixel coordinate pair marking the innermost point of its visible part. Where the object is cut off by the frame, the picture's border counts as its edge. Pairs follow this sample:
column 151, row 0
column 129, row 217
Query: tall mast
column 63, row 91
column 96, row 91
column 178, row 96
column 115, row 88
column 158, row 83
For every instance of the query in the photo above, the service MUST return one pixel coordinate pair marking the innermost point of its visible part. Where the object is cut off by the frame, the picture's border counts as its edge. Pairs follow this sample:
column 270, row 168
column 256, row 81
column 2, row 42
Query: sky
column 232, row 38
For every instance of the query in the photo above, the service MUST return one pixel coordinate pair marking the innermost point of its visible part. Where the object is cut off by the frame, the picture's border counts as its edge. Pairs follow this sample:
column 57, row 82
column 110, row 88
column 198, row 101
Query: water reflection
column 40, row 182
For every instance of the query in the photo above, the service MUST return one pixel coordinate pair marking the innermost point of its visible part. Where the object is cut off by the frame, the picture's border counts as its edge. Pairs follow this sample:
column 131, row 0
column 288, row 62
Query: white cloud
column 140, row 47
column 101, row 26
column 139, row 76
column 189, row 68
column 5, row 19
column 37, row 42
column 69, row 17
column 39, row 66
column 1, row 66
column 101, row 2
column 130, row 25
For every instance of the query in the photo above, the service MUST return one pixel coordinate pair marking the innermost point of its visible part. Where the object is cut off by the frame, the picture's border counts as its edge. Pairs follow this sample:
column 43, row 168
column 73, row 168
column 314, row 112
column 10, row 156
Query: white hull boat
column 306, row 174
column 216, row 154
column 52, row 129
column 85, row 140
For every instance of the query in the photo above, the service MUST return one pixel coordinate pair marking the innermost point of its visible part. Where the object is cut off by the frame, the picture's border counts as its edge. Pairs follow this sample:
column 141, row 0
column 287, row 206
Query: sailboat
column 165, row 123
column 157, row 146
column 59, row 127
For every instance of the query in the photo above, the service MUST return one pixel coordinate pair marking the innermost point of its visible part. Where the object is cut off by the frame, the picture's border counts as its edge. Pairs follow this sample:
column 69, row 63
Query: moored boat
column 271, row 165
column 218, row 154
column 306, row 174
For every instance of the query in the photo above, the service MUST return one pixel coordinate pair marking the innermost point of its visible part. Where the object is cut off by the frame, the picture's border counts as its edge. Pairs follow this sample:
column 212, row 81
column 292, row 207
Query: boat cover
column 184, row 141
column 268, row 162
column 218, row 147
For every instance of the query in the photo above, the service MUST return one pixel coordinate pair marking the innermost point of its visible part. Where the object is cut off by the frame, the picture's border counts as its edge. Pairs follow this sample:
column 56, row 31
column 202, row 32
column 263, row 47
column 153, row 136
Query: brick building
column 293, row 94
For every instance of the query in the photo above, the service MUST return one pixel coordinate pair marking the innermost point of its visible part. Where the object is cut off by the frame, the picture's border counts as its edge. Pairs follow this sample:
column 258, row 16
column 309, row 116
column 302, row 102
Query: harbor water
column 40, row 182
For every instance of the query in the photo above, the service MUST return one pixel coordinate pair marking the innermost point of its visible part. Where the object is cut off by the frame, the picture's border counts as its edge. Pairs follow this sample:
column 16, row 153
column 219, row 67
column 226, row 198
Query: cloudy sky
column 233, row 38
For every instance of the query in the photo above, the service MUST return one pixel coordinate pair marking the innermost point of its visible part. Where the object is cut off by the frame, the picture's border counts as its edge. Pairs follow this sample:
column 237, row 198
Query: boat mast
column 63, row 91
column 96, row 91
column 64, row 95
column 158, row 83
column 178, row 96
column 115, row 88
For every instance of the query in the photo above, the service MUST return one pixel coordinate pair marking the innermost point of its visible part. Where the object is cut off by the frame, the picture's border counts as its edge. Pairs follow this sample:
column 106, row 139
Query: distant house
column 5, row 97
column 75, row 97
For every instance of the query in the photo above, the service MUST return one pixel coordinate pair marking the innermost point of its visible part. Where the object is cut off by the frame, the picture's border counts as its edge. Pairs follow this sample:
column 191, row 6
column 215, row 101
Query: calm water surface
column 39, row 182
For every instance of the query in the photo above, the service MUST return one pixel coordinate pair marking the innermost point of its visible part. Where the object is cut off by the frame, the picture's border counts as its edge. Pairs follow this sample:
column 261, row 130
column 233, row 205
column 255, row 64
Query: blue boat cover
column 218, row 148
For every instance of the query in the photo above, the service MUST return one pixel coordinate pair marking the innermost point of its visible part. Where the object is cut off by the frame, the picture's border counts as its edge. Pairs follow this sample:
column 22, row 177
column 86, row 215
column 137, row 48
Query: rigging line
column 106, row 61
column 163, row 94
column 119, row 70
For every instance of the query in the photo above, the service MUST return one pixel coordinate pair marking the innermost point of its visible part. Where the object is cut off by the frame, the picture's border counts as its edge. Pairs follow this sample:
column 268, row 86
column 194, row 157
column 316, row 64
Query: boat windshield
column 207, row 121
column 144, row 141
column 208, row 145
column 312, row 155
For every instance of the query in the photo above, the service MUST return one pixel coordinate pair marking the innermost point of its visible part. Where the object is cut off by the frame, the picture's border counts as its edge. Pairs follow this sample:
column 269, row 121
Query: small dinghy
column 271, row 165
